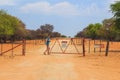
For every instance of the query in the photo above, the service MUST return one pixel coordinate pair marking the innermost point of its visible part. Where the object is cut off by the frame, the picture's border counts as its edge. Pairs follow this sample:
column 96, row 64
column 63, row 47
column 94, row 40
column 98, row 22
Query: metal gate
column 67, row 46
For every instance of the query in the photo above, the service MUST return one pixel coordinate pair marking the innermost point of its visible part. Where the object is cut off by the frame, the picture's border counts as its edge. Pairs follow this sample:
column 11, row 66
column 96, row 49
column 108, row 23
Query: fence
column 88, row 45
column 76, row 45
column 13, row 48
column 100, row 46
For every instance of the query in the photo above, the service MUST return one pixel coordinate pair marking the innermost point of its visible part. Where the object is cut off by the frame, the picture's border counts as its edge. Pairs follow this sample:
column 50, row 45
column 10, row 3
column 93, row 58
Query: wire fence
column 76, row 45
column 13, row 48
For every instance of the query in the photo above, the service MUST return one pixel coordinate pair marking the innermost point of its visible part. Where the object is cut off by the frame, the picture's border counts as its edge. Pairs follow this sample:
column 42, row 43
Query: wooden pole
column 100, row 45
column 83, row 47
column 94, row 47
column 1, row 48
column 12, row 49
column 107, row 48
column 23, row 47
column 89, row 45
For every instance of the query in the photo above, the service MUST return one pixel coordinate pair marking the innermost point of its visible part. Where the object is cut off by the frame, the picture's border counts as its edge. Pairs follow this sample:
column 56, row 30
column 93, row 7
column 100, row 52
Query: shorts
column 47, row 43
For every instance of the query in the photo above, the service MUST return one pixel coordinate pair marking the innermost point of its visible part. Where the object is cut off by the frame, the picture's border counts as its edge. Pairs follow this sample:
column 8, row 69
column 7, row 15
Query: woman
column 47, row 46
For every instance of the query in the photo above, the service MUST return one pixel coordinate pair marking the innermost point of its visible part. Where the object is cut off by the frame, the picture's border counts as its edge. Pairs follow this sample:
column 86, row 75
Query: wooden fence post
column 23, row 47
column 83, row 47
column 89, row 46
column 107, row 48
column 100, row 45
column 1, row 48
column 12, row 49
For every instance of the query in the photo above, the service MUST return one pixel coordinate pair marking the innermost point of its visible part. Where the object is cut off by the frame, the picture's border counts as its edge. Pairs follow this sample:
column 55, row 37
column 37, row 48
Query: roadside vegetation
column 12, row 28
column 109, row 29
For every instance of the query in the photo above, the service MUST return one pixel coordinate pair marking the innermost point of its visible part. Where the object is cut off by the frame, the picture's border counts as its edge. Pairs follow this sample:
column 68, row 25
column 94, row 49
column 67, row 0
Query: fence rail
column 14, row 45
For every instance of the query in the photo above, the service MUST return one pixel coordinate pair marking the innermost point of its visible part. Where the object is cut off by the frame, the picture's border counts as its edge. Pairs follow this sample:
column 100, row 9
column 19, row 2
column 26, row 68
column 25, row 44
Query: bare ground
column 36, row 66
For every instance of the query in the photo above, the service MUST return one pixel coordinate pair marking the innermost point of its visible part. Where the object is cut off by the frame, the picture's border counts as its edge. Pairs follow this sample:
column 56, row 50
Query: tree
column 56, row 34
column 92, row 30
column 80, row 34
column 43, row 32
column 5, row 24
column 64, row 36
column 31, row 34
column 10, row 26
column 46, row 30
column 6, row 27
column 20, row 31
column 108, row 27
column 115, row 8
column 108, row 32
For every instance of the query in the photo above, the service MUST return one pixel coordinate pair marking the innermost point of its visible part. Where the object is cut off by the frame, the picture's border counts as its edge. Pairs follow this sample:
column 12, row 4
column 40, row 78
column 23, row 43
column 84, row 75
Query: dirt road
column 36, row 66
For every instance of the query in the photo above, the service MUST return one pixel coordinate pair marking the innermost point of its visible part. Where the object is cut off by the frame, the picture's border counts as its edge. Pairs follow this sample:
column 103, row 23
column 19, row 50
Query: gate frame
column 71, row 41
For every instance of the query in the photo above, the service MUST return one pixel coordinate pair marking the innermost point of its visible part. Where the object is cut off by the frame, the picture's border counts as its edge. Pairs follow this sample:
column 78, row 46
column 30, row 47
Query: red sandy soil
column 36, row 66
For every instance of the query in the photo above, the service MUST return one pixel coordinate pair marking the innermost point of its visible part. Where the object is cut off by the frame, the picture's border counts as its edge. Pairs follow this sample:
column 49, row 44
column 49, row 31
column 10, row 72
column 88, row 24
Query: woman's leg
column 48, row 49
column 45, row 50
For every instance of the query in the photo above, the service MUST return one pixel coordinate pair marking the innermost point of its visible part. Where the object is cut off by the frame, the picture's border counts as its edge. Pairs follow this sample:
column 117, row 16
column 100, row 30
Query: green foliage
column 20, row 31
column 45, row 30
column 80, row 34
column 64, row 36
column 56, row 34
column 115, row 8
column 110, row 31
column 48, row 28
column 107, row 30
column 6, row 24
column 11, row 26
column 92, row 30
column 31, row 34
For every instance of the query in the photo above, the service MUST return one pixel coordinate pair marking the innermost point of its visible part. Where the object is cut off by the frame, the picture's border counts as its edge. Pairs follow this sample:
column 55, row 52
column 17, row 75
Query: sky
column 67, row 16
